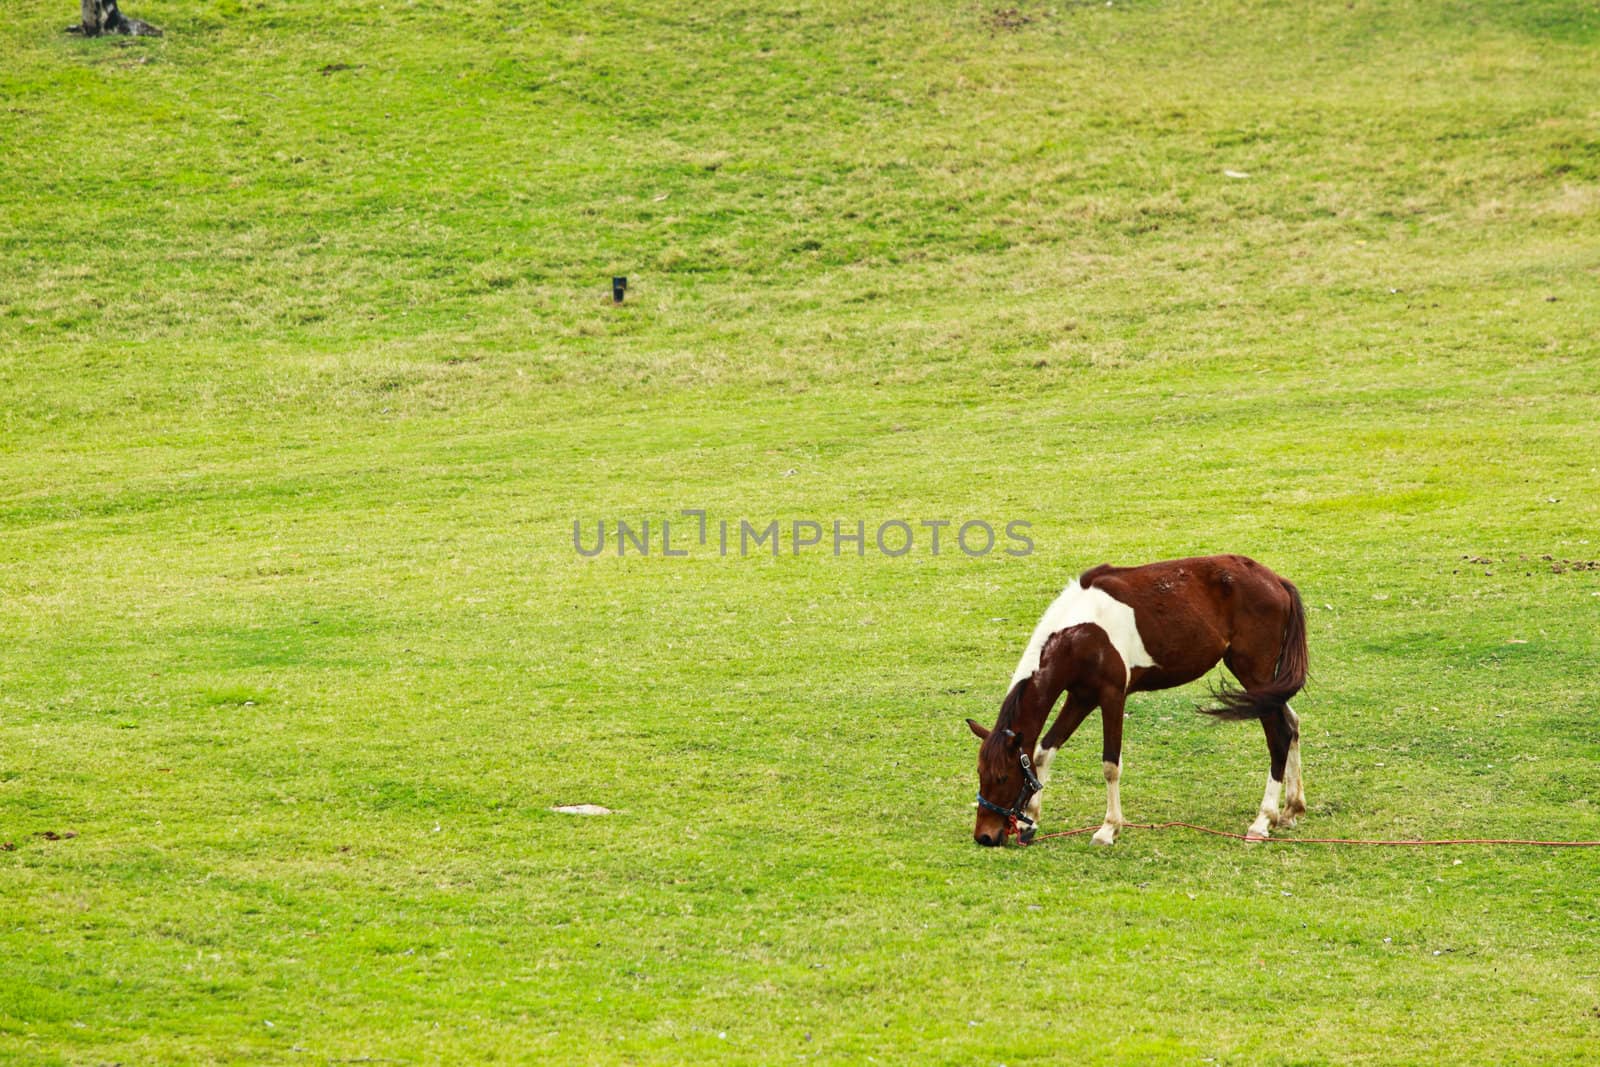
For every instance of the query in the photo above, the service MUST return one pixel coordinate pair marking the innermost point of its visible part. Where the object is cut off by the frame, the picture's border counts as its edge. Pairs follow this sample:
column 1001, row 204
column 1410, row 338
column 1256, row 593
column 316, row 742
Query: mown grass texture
column 308, row 365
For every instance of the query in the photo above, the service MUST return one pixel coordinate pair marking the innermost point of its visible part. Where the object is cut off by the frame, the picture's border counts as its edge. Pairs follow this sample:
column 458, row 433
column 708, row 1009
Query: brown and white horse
column 1121, row 630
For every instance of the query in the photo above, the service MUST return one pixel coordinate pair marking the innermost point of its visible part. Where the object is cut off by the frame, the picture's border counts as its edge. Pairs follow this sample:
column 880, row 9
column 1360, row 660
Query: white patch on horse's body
column 1075, row 606
column 1108, row 830
column 1267, row 817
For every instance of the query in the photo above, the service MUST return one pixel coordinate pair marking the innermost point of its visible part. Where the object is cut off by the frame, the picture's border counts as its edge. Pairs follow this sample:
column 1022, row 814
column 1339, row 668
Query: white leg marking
column 1268, row 815
column 1294, row 790
column 1041, row 763
column 1293, row 778
column 1041, row 768
column 1108, row 830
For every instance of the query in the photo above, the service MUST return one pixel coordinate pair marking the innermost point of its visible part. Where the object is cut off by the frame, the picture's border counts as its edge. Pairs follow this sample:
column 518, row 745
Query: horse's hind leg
column 1276, row 724
column 1294, row 789
column 1255, row 673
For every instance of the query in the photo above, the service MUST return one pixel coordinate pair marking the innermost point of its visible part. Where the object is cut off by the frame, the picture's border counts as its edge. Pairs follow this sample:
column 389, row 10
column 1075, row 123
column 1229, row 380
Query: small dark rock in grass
column 1007, row 18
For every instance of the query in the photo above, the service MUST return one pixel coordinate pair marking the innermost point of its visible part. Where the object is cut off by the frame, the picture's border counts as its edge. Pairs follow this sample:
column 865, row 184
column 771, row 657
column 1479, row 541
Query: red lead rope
column 1315, row 840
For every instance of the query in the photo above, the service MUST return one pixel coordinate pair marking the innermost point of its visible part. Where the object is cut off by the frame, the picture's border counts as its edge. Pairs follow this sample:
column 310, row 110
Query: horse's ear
column 981, row 731
column 1013, row 742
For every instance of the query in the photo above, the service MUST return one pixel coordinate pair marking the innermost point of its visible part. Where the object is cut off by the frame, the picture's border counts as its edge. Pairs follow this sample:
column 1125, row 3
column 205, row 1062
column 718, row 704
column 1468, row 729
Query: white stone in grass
column 1234, row 174
column 581, row 809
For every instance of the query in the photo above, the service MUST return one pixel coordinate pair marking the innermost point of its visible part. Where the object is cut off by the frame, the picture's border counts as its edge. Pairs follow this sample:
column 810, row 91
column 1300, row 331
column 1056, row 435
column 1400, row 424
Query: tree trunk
column 102, row 16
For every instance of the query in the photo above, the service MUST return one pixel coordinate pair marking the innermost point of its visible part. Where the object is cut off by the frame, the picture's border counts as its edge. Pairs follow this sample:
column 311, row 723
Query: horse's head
column 1006, row 782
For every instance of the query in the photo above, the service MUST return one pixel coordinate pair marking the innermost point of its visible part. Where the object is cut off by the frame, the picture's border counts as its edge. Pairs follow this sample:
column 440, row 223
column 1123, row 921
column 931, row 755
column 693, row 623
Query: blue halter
column 1015, row 814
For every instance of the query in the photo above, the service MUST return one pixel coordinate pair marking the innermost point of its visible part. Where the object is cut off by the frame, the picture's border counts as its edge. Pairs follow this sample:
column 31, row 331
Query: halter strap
column 1015, row 814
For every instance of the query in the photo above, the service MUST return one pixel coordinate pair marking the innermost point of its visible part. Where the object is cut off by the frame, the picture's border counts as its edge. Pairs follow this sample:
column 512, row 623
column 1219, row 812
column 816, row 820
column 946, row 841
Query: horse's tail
column 1287, row 679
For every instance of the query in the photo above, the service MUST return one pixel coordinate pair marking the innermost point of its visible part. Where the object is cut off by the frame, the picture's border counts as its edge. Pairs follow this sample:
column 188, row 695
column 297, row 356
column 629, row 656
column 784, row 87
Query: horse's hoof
column 1105, row 836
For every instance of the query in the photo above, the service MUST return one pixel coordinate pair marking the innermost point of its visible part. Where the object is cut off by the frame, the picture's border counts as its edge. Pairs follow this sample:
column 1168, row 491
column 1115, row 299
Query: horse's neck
column 1031, row 714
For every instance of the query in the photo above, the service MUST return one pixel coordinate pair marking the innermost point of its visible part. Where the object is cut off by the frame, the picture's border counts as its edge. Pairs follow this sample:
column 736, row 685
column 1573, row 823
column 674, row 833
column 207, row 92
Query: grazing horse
column 1121, row 630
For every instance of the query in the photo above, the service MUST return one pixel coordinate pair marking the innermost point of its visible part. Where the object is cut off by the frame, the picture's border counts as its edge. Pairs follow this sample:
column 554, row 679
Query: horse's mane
column 1011, row 707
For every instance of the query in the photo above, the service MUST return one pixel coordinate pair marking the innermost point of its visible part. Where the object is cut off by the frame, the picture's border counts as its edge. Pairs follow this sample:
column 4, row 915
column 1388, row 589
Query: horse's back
column 1221, row 570
column 1177, row 583
column 1191, row 611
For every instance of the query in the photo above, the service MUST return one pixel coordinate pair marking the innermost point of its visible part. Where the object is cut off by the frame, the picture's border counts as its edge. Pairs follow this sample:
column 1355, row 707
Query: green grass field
column 308, row 364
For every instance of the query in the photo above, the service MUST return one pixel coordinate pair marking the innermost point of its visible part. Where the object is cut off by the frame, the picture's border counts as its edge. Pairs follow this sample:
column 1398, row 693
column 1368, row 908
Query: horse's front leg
column 1073, row 712
column 1111, row 760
